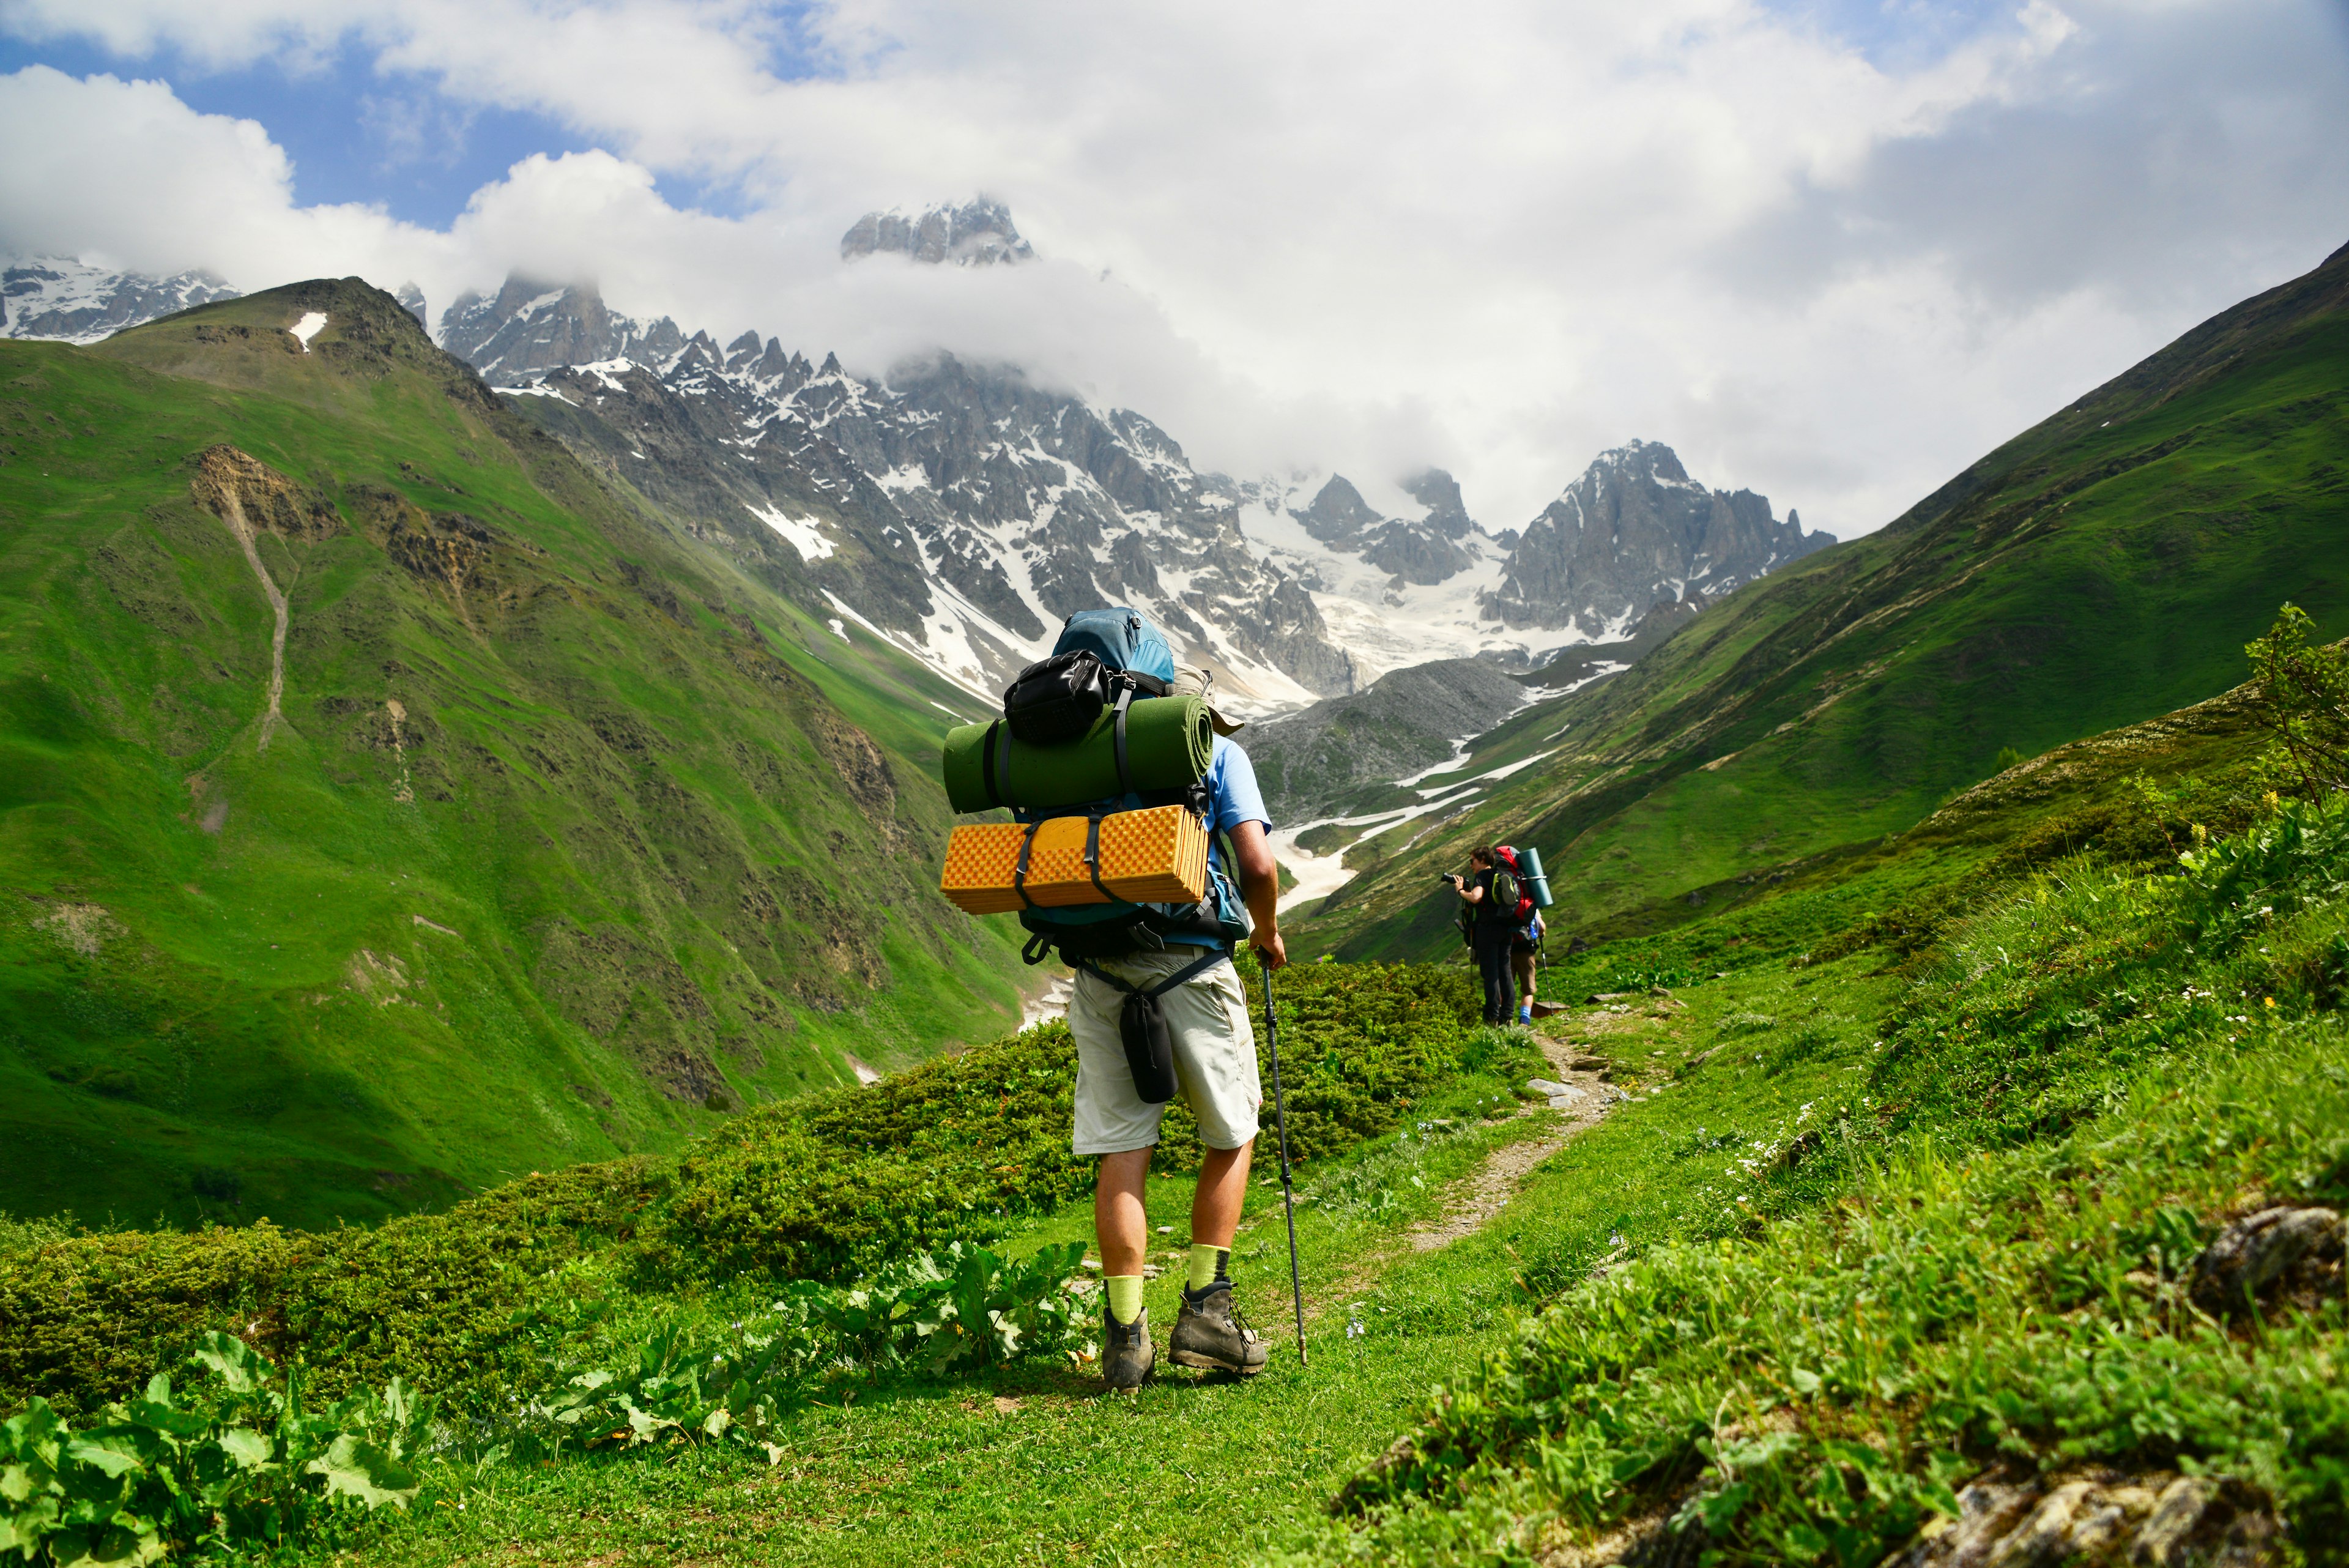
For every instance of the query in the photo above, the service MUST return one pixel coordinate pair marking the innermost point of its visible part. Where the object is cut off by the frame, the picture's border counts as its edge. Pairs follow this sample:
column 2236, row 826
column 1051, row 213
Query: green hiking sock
column 1125, row 1297
column 1207, row 1267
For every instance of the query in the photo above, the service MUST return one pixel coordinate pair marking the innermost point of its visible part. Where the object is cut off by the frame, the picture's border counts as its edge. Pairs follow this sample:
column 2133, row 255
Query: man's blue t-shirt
column 1233, row 796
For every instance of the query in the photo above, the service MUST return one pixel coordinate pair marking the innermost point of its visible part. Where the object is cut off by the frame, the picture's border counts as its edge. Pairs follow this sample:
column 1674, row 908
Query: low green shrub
column 455, row 1300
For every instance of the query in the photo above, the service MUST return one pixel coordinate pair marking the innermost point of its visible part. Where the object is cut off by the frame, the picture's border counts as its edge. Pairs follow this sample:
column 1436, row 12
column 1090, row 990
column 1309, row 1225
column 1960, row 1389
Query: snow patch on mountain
column 805, row 534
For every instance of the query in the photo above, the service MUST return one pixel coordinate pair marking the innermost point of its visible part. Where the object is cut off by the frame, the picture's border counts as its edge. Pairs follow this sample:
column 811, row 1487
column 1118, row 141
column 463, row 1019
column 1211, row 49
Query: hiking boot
column 1127, row 1355
column 1210, row 1333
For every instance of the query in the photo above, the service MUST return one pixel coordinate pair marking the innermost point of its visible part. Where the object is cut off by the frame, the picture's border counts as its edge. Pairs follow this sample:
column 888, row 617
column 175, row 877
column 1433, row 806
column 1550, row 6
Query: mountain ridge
column 967, row 544
column 2102, row 567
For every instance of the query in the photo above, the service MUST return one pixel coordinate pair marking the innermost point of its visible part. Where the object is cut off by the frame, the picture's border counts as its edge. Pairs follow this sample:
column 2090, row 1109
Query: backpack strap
column 1125, row 775
column 1197, row 966
column 1092, row 856
column 987, row 764
column 1002, row 782
column 1019, row 868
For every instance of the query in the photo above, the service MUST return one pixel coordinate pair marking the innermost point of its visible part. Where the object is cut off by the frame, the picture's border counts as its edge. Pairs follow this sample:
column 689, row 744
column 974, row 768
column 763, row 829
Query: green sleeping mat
column 1169, row 741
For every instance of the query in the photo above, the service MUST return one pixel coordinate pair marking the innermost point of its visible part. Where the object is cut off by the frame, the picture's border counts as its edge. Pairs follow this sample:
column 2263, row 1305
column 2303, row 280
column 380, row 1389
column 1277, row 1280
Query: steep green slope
column 564, row 841
column 2105, row 567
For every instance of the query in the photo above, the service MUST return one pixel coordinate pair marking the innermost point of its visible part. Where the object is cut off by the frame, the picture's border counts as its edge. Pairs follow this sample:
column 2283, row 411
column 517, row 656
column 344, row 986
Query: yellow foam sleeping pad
column 1157, row 856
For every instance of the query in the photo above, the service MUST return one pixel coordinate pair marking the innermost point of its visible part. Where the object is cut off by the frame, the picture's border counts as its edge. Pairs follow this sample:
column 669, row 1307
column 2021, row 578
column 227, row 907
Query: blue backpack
column 1121, row 640
column 1124, row 641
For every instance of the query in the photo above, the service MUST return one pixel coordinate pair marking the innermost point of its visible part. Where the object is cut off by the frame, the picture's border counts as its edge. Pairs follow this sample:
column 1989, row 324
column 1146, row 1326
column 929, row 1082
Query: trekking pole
column 1280, row 1120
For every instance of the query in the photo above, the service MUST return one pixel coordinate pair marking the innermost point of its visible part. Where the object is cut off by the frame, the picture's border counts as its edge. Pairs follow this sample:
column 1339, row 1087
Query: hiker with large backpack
column 1497, row 905
column 1105, row 732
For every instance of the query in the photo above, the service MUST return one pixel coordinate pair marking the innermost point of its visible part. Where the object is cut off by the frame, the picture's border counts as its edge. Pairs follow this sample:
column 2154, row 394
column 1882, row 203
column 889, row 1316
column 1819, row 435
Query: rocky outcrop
column 1633, row 529
column 977, row 233
column 2158, row 1518
column 1419, row 551
column 2247, row 1259
column 1440, row 493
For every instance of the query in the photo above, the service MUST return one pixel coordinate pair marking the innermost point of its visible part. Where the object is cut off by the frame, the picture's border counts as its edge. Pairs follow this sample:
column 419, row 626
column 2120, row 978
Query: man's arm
column 1260, row 886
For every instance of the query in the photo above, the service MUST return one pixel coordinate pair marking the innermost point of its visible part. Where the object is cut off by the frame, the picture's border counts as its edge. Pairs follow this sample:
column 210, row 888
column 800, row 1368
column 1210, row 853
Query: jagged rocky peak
column 1423, row 552
column 1440, row 493
column 1635, row 529
column 1338, row 514
column 978, row 234
column 59, row 296
column 531, row 326
column 411, row 299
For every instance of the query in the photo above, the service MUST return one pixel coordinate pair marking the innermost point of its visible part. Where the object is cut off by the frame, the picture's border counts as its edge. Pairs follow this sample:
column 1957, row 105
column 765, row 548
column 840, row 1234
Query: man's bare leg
column 1120, row 1223
column 1223, row 1187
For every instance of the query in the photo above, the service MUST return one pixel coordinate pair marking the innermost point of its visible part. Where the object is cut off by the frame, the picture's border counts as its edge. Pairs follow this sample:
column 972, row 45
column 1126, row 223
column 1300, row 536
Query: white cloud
column 1497, row 237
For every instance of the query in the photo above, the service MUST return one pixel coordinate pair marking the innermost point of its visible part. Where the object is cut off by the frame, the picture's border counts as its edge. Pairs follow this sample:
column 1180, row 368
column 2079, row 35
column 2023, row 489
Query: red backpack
column 1510, row 890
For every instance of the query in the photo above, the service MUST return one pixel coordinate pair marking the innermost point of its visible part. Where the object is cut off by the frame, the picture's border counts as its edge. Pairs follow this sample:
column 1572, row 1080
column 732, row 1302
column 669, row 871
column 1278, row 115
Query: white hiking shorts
column 1215, row 1055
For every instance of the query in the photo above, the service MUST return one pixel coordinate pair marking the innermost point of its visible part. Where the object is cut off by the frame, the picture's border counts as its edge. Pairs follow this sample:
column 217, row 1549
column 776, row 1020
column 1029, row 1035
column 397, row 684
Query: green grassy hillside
column 2104, row 567
column 554, row 839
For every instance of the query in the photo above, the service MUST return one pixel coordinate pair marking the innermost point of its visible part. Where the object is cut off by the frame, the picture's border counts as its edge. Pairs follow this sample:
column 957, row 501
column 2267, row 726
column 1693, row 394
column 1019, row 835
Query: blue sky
column 356, row 133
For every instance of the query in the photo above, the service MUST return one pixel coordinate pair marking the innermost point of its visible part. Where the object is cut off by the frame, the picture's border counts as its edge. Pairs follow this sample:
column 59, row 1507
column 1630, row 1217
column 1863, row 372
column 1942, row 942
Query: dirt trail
column 251, row 498
column 1476, row 1199
column 232, row 512
column 1487, row 1193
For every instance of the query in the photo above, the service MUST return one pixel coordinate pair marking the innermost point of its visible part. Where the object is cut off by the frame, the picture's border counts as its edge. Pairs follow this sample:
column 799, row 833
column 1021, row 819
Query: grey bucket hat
column 1193, row 681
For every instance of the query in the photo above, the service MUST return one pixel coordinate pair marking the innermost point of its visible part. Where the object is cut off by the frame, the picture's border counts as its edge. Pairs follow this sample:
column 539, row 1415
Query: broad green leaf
column 1720, row 1510
column 162, row 1417
column 22, row 1529
column 248, row 1448
column 357, row 1469
column 34, row 1427
column 241, row 1366
column 645, row 1426
column 15, row 1484
column 112, row 1453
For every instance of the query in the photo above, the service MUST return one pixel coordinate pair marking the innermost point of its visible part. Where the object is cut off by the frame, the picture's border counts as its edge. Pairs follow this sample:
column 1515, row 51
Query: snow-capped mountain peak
column 977, row 233
column 55, row 297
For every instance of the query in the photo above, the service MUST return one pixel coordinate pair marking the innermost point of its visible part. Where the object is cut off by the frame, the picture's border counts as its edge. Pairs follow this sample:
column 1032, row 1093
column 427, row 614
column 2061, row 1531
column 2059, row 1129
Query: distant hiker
column 1496, row 918
column 1523, row 952
column 1158, row 1012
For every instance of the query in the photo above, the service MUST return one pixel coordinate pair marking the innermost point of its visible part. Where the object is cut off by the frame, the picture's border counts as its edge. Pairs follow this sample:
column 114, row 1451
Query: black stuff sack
column 1056, row 699
column 1149, row 1047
